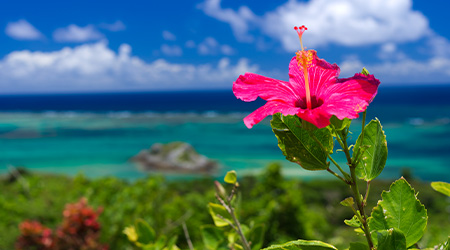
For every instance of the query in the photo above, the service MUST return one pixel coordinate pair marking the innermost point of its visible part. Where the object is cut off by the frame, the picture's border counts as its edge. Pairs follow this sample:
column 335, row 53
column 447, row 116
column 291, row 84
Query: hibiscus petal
column 249, row 86
column 318, row 116
column 349, row 96
column 362, row 78
column 320, row 73
column 270, row 108
column 296, row 76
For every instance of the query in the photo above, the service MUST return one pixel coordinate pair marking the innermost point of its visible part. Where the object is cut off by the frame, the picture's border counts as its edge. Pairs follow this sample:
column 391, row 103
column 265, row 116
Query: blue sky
column 103, row 46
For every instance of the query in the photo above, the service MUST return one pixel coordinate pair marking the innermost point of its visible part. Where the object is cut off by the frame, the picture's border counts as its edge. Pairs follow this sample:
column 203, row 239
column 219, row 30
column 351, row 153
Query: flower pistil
column 304, row 59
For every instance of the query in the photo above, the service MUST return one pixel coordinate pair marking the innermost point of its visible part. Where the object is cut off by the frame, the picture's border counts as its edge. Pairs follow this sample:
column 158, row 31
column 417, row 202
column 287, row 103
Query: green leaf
column 302, row 245
column 131, row 234
column 391, row 239
column 373, row 159
column 219, row 214
column 445, row 245
column 174, row 247
column 340, row 124
column 365, row 71
column 442, row 187
column 231, row 177
column 297, row 144
column 400, row 209
column 145, row 233
column 160, row 242
column 213, row 237
column 171, row 242
column 348, row 202
column 277, row 122
column 149, row 247
column 232, row 237
column 353, row 222
column 237, row 247
column 256, row 237
column 358, row 246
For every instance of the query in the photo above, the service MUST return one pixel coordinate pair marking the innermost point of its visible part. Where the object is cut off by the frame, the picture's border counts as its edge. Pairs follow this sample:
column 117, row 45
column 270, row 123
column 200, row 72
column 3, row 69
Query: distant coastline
column 97, row 133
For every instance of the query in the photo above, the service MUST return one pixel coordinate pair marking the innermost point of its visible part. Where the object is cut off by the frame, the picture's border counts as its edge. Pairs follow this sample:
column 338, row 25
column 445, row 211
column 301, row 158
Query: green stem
column 360, row 205
column 338, row 176
column 345, row 148
column 236, row 226
column 342, row 139
column 337, row 136
column 358, row 150
column 354, row 185
column 347, row 177
column 367, row 192
column 188, row 238
column 358, row 215
column 239, row 229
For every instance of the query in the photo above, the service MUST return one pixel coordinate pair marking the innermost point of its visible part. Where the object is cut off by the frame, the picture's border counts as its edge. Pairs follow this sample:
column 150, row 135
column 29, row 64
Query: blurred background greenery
column 289, row 208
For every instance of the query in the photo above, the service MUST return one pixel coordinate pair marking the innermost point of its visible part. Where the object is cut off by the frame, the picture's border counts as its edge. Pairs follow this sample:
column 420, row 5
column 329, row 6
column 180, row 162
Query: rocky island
column 175, row 157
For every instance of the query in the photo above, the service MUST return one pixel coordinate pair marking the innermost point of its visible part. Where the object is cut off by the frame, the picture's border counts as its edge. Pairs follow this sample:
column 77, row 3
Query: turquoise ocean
column 97, row 134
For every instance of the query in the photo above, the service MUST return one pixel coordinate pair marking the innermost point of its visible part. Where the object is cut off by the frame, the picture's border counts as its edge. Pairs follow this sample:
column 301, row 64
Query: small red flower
column 313, row 93
column 34, row 235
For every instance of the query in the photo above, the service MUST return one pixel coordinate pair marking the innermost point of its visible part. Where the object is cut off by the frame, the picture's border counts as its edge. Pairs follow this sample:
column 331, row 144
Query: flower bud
column 220, row 190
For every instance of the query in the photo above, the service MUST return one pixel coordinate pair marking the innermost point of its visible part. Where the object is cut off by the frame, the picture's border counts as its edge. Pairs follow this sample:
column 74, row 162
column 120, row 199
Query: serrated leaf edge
column 386, row 213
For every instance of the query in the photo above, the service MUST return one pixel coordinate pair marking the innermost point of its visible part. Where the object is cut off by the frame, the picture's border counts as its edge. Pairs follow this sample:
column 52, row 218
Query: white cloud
column 171, row 50
column 168, row 36
column 388, row 48
column 240, row 20
column 210, row 46
column 396, row 67
column 438, row 46
column 114, row 27
column 74, row 33
column 226, row 50
column 343, row 22
column 190, row 44
column 95, row 67
column 23, row 30
column 389, row 51
column 403, row 71
column 385, row 23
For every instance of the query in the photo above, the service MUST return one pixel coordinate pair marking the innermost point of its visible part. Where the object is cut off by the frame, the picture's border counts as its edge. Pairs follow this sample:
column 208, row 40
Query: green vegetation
column 289, row 209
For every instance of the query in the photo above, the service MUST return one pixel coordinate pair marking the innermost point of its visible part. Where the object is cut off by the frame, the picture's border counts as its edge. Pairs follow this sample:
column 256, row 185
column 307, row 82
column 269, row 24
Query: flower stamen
column 304, row 59
column 300, row 31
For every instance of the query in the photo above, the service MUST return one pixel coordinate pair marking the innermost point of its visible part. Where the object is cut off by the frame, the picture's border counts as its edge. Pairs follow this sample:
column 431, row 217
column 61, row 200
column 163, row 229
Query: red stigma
column 300, row 29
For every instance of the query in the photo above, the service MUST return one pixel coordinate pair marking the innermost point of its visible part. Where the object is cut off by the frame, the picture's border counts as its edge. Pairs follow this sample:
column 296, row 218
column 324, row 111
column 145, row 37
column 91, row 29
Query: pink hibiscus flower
column 313, row 93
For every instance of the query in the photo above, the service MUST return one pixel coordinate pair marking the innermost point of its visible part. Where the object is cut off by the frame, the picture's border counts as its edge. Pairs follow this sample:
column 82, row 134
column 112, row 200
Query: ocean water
column 97, row 134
